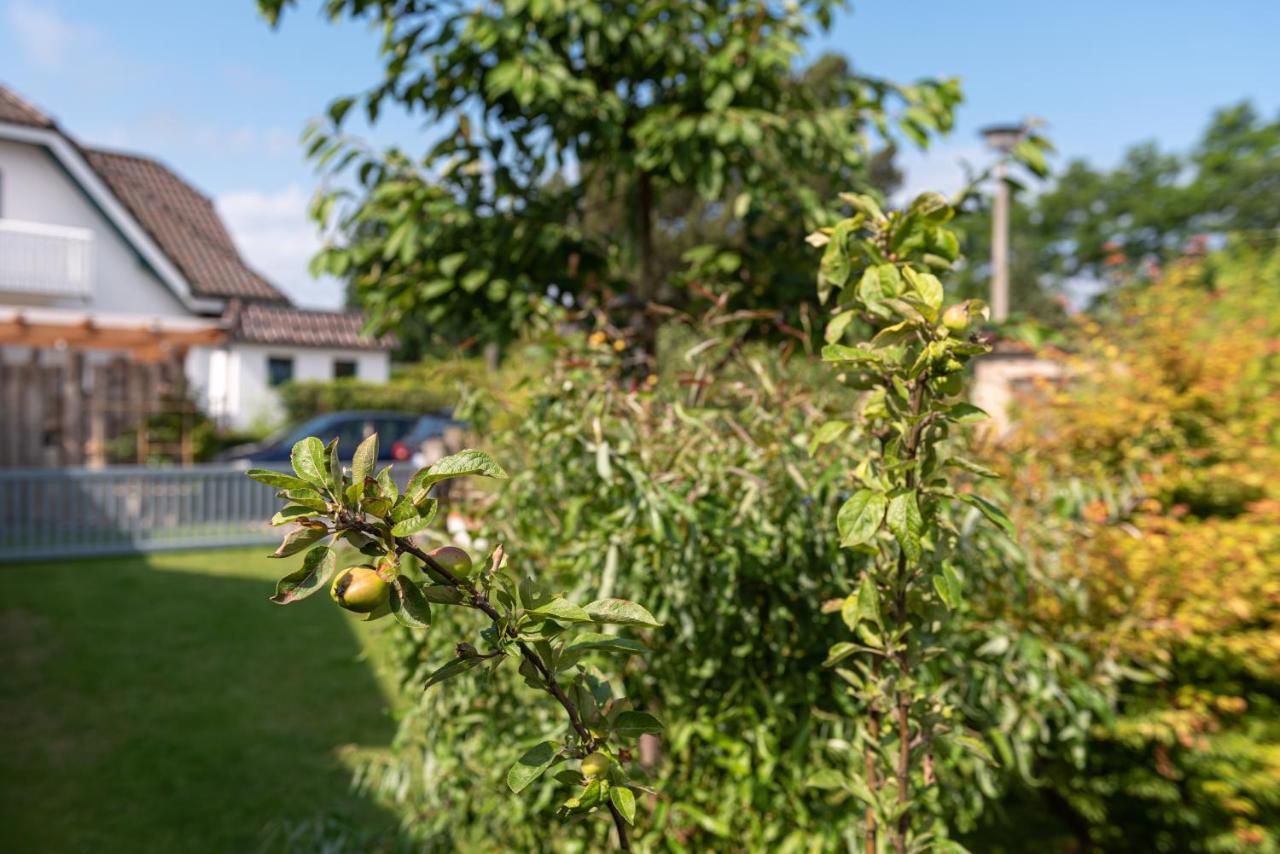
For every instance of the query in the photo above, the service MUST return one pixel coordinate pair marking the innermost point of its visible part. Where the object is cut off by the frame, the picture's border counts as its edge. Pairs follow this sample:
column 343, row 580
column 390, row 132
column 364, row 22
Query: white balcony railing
column 46, row 260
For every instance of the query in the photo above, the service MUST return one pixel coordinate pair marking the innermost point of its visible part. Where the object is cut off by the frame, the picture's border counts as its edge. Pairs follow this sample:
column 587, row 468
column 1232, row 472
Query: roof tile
column 185, row 225
column 265, row 323
column 187, row 228
column 15, row 110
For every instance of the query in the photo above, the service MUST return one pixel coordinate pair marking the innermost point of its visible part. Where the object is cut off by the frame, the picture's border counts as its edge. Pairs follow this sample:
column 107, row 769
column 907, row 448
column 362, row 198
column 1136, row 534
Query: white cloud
column 47, row 38
column 274, row 234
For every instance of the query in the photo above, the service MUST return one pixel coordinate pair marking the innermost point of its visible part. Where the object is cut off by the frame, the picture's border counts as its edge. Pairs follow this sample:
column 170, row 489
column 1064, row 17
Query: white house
column 103, row 251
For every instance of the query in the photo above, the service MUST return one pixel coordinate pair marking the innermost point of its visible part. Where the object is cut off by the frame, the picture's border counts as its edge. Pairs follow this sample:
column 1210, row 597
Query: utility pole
column 1002, row 138
column 1000, row 246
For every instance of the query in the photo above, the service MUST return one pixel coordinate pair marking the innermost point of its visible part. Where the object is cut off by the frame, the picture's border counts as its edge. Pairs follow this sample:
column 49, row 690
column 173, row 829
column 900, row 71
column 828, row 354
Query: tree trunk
column 644, row 330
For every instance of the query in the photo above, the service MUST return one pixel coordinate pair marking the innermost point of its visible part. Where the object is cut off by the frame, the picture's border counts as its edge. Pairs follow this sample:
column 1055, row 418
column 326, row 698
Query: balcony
column 45, row 260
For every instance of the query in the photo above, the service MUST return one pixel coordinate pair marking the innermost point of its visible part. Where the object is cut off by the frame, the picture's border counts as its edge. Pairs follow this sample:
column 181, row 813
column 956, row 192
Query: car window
column 315, row 426
column 350, row 432
column 391, row 430
column 427, row 427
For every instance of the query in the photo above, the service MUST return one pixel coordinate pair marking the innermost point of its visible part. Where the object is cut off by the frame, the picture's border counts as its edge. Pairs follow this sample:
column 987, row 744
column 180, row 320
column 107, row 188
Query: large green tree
column 1103, row 224
column 548, row 119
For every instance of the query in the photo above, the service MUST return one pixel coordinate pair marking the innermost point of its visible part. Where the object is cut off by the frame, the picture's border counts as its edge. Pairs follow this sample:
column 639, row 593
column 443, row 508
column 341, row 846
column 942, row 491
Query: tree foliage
column 549, row 635
column 909, row 353
column 1105, row 225
column 682, row 116
column 1162, row 461
column 712, row 494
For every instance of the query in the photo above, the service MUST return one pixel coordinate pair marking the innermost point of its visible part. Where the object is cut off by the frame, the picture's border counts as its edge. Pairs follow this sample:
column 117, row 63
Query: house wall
column 34, row 188
column 998, row 378
column 230, row 383
column 234, row 383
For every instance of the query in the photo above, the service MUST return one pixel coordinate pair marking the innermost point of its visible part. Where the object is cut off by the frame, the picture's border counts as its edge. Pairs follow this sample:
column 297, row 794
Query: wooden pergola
column 55, row 412
column 152, row 340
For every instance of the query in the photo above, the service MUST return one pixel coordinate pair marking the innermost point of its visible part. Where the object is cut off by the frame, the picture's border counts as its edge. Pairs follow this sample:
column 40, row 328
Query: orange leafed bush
column 1162, row 458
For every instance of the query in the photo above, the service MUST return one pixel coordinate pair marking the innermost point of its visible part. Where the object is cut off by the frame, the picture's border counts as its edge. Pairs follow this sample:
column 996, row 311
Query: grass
column 161, row 703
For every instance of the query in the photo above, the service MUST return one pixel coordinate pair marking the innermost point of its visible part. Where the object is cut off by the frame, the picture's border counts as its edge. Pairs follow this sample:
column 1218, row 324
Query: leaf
column 586, row 642
column 409, row 605
column 292, row 513
column 949, row 587
column 930, row 205
column 905, row 523
column 531, row 766
column 893, row 335
column 620, row 612
column 998, row 645
column 362, row 463
column 625, row 801
column 858, row 787
column 890, row 280
column 404, row 509
column 454, row 668
column 603, row 466
column 845, row 353
column 992, row 512
column 859, row 518
column 418, row 523
column 466, row 463
column 387, row 485
column 826, row 434
column 308, row 458
column 450, row 264
column 335, row 467
column 317, row 568
column 633, row 723
column 301, row 538
column 837, row 325
column 338, row 109
column 560, row 608
column 966, row 413
column 1031, row 156
column 839, row 652
column 928, row 289
column 827, row 778
column 862, row 604
column 444, row 594
column 278, row 479
column 309, row 497
column 608, row 643
column 970, row 466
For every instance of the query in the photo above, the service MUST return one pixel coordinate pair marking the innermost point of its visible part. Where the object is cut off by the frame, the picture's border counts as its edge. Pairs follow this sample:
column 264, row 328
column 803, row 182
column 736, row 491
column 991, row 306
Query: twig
column 621, row 824
column 481, row 603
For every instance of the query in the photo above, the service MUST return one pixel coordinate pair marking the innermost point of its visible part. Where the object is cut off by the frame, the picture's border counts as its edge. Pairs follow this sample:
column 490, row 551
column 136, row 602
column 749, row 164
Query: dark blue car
column 399, row 436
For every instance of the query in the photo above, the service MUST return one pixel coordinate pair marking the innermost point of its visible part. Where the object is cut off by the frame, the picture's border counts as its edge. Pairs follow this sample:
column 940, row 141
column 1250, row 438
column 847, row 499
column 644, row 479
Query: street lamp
column 1002, row 138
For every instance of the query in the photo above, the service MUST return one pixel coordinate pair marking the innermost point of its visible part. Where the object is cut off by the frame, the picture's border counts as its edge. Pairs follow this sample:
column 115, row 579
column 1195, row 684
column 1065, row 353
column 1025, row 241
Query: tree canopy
column 569, row 140
column 1104, row 224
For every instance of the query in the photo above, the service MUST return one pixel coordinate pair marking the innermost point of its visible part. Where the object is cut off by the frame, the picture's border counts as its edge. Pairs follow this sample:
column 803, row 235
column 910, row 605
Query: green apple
column 359, row 589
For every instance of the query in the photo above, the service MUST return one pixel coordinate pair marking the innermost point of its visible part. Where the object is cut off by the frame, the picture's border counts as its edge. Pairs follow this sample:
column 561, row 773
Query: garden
column 733, row 562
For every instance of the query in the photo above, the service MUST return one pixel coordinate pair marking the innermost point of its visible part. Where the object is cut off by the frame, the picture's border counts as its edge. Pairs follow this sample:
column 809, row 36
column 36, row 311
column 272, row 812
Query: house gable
column 72, row 160
column 38, row 189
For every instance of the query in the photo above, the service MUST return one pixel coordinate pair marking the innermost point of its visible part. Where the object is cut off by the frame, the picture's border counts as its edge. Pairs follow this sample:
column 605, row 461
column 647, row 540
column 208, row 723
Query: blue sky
column 210, row 89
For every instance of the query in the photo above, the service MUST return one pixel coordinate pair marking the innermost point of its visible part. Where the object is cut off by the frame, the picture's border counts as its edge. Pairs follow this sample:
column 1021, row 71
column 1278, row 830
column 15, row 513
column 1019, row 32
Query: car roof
column 367, row 413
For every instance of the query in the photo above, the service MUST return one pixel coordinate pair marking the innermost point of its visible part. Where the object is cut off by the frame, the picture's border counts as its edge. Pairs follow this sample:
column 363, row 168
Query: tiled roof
column 15, row 110
column 187, row 228
column 267, row 323
column 185, row 225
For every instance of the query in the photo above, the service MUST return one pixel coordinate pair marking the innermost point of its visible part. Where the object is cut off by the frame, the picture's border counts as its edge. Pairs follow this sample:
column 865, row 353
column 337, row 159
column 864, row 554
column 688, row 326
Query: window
column 343, row 368
column 279, row 370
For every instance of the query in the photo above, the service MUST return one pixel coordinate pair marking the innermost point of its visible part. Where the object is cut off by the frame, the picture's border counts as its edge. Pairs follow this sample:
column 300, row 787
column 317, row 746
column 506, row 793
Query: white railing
column 69, row 512
column 48, row 260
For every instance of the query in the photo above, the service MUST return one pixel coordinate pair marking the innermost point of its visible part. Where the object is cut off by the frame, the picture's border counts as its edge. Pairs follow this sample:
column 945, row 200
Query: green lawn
column 161, row 703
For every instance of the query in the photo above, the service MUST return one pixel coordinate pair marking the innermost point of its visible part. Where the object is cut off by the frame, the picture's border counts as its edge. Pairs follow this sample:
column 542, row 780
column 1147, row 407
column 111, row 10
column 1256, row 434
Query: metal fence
column 68, row 512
